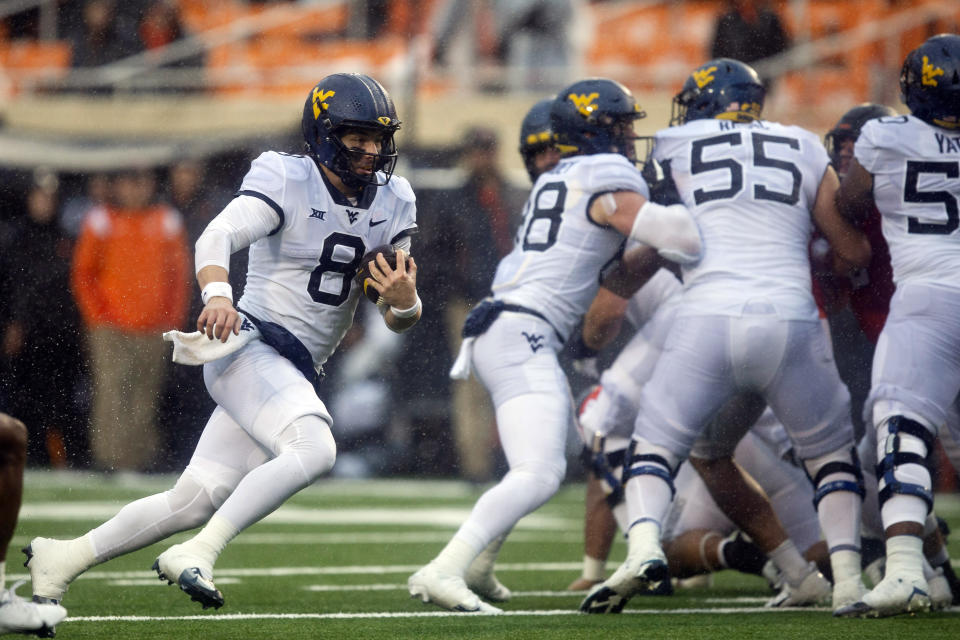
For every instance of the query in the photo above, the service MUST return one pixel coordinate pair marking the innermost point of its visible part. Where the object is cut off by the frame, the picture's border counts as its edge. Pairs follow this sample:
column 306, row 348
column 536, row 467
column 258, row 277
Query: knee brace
column 608, row 468
column 902, row 467
column 847, row 465
column 651, row 464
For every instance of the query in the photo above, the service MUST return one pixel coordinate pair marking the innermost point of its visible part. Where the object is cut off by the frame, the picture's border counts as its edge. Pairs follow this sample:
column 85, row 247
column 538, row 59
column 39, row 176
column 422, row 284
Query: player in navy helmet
column 908, row 167
column 596, row 115
column 724, row 89
column 747, row 323
column 575, row 221
column 537, row 147
column 930, row 81
column 307, row 220
column 345, row 103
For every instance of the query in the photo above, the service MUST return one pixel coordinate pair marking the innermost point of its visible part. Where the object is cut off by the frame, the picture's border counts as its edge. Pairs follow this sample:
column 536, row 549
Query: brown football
column 363, row 277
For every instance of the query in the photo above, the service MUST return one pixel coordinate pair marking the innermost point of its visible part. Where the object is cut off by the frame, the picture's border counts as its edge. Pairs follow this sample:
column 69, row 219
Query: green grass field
column 334, row 561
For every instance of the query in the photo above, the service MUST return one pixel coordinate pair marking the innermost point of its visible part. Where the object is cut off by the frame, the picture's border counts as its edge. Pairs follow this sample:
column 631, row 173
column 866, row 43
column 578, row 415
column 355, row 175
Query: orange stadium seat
column 31, row 62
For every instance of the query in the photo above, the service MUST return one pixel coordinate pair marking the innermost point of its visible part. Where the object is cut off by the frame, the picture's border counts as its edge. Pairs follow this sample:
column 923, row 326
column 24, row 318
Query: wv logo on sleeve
column 535, row 340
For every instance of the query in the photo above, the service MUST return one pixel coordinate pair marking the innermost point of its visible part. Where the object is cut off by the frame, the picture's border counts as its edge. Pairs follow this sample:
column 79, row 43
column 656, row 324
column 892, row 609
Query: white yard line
column 230, row 617
column 437, row 517
column 315, row 571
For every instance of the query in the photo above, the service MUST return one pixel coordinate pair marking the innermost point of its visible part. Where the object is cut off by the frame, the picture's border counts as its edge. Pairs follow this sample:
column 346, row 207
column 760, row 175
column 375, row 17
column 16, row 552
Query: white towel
column 464, row 362
column 196, row 348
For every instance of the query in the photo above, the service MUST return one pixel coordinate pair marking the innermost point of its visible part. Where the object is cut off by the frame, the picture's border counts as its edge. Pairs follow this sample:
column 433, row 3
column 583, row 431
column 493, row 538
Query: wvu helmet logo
column 703, row 77
column 930, row 73
column 584, row 103
column 319, row 100
column 384, row 120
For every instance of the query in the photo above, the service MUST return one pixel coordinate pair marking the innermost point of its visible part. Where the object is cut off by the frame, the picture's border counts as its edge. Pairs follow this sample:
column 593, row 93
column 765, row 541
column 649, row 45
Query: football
column 363, row 277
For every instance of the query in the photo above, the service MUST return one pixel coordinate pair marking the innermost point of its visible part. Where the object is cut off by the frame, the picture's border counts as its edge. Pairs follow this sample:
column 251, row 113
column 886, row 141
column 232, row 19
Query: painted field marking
column 230, row 617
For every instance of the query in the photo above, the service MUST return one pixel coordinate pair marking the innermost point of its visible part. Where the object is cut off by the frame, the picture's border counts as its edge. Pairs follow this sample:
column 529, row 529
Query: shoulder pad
column 400, row 187
column 292, row 167
column 612, row 172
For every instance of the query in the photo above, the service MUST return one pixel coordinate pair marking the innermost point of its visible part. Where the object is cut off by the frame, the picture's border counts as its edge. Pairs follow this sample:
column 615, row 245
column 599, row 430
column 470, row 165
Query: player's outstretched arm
column 397, row 285
column 671, row 230
column 849, row 244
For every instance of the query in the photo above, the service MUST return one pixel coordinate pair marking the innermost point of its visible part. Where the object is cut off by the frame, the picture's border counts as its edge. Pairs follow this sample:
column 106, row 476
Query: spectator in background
column 749, row 30
column 529, row 37
column 40, row 329
column 96, row 191
column 479, row 219
column 159, row 26
column 130, row 275
column 98, row 40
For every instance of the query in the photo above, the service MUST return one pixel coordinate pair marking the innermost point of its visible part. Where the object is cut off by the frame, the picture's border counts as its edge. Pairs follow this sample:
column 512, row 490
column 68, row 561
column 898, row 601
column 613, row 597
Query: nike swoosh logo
column 373, row 224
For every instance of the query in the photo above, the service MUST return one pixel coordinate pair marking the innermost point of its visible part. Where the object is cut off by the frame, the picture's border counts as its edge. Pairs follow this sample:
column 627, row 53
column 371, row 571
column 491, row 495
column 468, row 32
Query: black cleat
column 199, row 587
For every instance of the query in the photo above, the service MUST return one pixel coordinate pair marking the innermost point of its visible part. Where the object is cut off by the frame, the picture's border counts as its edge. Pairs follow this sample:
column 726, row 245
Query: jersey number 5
column 735, row 168
column 329, row 265
column 949, row 201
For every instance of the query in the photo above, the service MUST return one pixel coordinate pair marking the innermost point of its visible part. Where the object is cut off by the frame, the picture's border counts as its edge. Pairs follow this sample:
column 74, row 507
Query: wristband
column 407, row 313
column 217, row 290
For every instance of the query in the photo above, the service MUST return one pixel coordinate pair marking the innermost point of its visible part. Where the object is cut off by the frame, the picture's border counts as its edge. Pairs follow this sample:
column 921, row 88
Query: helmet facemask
column 347, row 160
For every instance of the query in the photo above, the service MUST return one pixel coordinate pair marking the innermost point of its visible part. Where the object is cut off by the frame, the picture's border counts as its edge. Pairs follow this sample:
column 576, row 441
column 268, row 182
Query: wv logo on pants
column 535, row 340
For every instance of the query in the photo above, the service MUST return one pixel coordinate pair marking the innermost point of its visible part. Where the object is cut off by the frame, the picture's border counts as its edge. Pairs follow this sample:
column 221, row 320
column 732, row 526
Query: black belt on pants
column 482, row 316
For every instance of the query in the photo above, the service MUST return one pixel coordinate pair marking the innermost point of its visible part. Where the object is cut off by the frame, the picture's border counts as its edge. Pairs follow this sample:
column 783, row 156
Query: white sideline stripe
column 337, row 487
column 324, row 588
column 230, row 617
column 435, row 517
column 156, row 582
column 407, row 537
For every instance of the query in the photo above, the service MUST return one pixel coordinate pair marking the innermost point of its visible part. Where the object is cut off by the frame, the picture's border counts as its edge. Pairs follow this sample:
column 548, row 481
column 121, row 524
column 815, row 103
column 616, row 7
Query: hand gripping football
column 363, row 277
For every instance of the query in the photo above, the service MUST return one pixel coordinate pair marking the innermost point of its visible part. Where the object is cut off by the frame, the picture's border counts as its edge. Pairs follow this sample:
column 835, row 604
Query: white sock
column 642, row 535
column 456, row 556
column 845, row 564
column 483, row 563
column 82, row 553
column 3, row 574
column 904, row 556
column 787, row 558
column 214, row 537
column 594, row 568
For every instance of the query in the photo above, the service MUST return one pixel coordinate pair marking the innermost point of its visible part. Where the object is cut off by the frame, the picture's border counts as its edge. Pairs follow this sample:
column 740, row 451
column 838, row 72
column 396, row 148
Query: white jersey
column 916, row 185
column 555, row 266
column 750, row 187
column 300, row 276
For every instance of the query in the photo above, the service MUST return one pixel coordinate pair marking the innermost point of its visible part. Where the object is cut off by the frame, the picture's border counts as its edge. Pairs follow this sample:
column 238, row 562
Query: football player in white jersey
column 747, row 321
column 574, row 223
column 308, row 220
column 696, row 525
column 909, row 168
